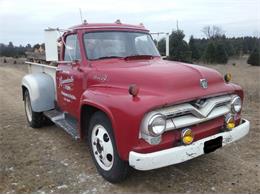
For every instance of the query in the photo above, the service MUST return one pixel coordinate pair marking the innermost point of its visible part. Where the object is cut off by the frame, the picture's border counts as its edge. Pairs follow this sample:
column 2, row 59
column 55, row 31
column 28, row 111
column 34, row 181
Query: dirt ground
column 47, row 160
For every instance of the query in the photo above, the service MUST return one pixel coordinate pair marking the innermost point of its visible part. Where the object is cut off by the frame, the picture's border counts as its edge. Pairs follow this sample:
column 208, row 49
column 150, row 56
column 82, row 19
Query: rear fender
column 41, row 88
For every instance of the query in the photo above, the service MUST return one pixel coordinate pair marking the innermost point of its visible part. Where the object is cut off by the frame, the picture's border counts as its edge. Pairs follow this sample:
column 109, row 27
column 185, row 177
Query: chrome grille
column 188, row 114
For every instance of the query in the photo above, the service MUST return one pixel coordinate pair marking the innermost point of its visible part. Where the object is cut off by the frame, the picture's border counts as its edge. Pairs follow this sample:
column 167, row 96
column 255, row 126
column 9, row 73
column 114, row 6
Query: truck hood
column 172, row 81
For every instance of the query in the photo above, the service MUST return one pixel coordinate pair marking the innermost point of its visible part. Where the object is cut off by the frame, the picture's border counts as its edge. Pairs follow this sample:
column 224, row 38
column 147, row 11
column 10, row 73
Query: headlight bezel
column 151, row 125
column 236, row 104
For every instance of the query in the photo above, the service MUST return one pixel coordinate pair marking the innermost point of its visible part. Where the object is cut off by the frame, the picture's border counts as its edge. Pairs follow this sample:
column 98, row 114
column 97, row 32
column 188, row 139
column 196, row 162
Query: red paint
column 160, row 83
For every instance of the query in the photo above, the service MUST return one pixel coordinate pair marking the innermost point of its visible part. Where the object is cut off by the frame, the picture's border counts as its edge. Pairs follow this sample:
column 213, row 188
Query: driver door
column 69, row 78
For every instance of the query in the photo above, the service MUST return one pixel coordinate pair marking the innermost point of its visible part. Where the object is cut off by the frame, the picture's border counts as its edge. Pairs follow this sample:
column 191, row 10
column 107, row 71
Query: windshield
column 116, row 44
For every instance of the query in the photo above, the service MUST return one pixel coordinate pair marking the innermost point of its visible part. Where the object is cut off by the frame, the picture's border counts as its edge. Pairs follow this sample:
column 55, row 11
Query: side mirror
column 51, row 45
column 167, row 43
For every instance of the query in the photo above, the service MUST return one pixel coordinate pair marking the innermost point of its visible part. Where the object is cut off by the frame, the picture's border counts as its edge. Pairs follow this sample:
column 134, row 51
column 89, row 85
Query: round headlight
column 157, row 124
column 236, row 104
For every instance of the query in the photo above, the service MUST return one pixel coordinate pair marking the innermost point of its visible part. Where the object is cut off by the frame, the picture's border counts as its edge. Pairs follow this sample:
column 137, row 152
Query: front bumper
column 180, row 154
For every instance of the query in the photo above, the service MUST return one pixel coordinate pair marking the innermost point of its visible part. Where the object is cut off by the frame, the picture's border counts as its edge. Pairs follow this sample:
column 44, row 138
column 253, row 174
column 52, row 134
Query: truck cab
column 111, row 87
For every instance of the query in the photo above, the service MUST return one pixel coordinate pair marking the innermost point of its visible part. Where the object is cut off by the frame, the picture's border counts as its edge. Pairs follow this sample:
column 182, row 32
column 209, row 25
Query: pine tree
column 221, row 55
column 162, row 46
column 209, row 54
column 254, row 58
column 179, row 49
column 194, row 49
column 36, row 46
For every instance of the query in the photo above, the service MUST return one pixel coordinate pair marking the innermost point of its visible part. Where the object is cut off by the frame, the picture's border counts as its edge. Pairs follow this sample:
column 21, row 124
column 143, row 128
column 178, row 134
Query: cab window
column 72, row 51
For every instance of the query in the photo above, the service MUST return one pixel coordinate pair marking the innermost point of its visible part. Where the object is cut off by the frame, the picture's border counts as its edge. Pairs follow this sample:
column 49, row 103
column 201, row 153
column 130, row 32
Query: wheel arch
column 41, row 89
column 86, row 112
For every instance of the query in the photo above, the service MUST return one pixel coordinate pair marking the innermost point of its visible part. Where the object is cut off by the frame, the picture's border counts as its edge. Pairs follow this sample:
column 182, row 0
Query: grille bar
column 186, row 114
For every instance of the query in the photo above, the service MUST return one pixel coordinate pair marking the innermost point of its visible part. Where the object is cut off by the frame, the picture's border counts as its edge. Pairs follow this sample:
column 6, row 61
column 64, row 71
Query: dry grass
column 245, row 75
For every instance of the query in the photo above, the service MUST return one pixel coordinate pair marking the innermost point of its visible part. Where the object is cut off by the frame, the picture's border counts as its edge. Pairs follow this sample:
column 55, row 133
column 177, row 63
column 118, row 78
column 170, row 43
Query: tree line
column 215, row 48
column 17, row 51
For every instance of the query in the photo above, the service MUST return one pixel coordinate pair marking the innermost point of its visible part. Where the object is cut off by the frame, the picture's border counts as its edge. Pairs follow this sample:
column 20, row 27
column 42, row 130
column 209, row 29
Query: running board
column 62, row 120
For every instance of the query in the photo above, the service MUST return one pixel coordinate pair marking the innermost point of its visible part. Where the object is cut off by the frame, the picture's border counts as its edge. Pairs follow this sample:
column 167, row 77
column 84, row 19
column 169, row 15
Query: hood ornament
column 204, row 83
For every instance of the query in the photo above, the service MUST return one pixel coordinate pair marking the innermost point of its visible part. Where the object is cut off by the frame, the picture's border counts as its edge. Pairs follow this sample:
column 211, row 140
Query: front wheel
column 103, row 149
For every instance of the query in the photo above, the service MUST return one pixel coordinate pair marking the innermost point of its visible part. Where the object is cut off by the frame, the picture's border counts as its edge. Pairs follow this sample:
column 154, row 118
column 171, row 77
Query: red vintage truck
column 112, row 88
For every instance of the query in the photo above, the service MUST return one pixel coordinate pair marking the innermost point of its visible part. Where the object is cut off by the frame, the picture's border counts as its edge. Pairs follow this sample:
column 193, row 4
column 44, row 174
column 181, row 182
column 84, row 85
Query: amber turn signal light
column 228, row 77
column 230, row 122
column 187, row 136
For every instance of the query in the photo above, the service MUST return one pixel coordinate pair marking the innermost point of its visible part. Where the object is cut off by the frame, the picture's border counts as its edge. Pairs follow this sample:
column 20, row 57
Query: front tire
column 35, row 119
column 103, row 149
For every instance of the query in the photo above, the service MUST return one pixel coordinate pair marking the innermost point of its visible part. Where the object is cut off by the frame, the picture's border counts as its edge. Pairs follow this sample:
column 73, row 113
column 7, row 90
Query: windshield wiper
column 139, row 56
column 108, row 57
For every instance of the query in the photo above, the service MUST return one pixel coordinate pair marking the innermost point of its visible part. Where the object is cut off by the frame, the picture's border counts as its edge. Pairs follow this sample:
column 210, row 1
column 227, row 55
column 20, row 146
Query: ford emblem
column 204, row 83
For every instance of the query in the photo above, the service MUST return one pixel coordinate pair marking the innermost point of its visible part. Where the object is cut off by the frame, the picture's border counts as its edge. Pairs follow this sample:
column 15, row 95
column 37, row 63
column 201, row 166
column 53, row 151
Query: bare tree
column 207, row 31
column 212, row 31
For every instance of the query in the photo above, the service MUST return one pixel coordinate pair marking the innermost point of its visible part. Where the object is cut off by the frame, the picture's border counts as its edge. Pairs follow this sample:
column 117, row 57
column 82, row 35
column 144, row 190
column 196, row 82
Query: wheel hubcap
column 102, row 147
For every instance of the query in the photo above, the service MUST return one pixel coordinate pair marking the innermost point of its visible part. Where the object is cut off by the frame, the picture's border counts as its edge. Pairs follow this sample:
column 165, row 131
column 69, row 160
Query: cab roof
column 107, row 26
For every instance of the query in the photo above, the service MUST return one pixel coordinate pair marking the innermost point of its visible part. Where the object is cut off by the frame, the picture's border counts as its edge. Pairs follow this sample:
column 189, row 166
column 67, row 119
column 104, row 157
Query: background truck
column 111, row 87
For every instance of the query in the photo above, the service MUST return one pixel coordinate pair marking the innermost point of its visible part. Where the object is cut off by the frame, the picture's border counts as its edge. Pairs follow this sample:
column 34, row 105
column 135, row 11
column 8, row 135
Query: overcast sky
column 23, row 21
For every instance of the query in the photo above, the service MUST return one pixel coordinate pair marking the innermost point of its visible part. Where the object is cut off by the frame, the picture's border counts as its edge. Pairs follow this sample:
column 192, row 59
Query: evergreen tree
column 43, row 46
column 194, row 49
column 162, row 46
column 220, row 55
column 179, row 49
column 9, row 51
column 209, row 54
column 36, row 46
column 229, row 48
column 254, row 58
column 10, row 45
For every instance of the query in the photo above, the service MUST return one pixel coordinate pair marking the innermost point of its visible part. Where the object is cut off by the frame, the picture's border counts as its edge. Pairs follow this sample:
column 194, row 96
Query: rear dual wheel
column 103, row 149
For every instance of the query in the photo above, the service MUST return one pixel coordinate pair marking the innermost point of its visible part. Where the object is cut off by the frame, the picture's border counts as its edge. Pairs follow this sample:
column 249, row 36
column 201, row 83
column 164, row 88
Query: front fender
column 124, row 111
column 42, row 91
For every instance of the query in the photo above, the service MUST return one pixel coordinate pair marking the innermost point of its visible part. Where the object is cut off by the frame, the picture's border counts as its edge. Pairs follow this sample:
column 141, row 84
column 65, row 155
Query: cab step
column 64, row 121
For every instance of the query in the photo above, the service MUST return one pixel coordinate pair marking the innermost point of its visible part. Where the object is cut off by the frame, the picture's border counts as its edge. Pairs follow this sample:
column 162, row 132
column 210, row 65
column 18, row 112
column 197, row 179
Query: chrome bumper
column 180, row 154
